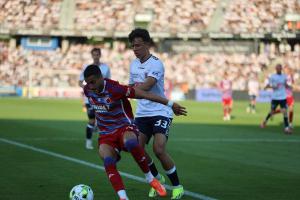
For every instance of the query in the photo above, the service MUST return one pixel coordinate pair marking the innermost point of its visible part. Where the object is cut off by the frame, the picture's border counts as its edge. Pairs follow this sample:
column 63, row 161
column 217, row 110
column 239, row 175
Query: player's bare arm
column 147, row 85
column 177, row 109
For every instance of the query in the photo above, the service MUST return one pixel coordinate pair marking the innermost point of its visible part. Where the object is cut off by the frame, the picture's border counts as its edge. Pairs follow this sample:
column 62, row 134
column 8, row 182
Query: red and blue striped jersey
column 111, row 105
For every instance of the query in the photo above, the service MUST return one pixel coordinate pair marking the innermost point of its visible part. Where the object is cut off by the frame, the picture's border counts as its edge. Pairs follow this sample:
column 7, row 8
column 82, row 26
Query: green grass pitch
column 231, row 160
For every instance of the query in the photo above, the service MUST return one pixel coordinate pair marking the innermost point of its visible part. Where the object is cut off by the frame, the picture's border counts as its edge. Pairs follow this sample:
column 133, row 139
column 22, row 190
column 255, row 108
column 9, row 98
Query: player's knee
column 109, row 161
column 130, row 144
column 92, row 121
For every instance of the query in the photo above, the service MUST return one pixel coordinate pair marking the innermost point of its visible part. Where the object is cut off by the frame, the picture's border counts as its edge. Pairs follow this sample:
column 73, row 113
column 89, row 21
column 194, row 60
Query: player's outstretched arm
column 177, row 109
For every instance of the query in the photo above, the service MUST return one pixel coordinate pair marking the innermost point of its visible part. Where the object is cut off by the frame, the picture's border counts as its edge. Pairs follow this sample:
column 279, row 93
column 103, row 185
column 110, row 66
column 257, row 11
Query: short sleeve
column 105, row 70
column 157, row 70
column 131, row 81
column 81, row 76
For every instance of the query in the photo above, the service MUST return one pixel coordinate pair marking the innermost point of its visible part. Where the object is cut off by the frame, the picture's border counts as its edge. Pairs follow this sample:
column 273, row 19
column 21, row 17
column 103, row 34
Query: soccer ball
column 81, row 192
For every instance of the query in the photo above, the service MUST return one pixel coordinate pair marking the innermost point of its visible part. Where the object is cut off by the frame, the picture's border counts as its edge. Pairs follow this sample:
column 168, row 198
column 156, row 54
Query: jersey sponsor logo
column 104, row 100
column 101, row 108
column 134, row 76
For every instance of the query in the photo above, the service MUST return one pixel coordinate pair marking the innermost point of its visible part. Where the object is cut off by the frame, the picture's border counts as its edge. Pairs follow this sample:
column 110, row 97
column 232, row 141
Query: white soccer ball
column 81, row 192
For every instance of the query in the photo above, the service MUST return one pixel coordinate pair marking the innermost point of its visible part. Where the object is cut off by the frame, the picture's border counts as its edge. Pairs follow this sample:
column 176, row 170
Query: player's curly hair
column 96, row 49
column 92, row 70
column 141, row 33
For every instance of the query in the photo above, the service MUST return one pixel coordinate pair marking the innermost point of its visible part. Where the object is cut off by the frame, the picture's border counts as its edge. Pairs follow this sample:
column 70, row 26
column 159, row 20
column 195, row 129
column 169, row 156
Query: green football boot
column 177, row 192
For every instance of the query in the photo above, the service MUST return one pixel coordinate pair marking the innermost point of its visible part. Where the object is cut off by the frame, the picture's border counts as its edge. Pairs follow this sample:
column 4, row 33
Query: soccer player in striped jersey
column 115, row 122
column 90, row 127
column 152, row 119
column 227, row 101
column 278, row 82
column 289, row 96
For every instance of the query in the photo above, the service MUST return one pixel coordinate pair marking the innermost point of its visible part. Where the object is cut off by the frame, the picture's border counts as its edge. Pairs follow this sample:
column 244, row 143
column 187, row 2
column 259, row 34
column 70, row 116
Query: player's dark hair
column 92, row 70
column 96, row 49
column 140, row 33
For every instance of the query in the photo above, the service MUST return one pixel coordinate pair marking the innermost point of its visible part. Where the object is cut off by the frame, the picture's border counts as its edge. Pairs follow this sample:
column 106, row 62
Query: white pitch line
column 92, row 165
column 232, row 140
column 225, row 140
column 235, row 140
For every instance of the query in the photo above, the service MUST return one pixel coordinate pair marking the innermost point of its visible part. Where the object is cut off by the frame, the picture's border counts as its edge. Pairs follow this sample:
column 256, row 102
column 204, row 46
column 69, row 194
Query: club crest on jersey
column 104, row 100
column 155, row 73
column 107, row 100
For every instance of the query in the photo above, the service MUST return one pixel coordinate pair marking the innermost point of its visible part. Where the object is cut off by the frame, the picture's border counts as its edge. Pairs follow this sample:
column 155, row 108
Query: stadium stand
column 30, row 14
column 257, row 16
column 259, row 22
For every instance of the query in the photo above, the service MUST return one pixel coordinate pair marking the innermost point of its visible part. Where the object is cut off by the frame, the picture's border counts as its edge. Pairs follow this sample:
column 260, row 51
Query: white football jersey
column 105, row 73
column 153, row 67
column 279, row 82
column 253, row 87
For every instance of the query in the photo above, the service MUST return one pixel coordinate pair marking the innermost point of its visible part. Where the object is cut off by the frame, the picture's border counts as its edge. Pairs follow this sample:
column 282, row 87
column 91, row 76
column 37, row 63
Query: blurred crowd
column 257, row 16
column 165, row 15
column 105, row 15
column 30, row 13
column 197, row 70
column 180, row 15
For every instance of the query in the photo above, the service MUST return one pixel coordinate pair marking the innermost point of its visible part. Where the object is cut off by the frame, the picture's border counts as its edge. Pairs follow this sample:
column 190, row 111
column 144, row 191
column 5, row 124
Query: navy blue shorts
column 252, row 97
column 275, row 103
column 153, row 125
column 90, row 111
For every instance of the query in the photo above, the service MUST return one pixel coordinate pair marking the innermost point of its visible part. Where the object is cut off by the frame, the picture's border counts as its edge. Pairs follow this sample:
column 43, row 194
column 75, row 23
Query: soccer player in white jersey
column 289, row 96
column 96, row 55
column 278, row 82
column 152, row 119
column 253, row 91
